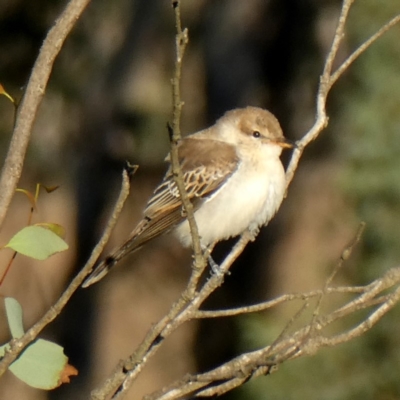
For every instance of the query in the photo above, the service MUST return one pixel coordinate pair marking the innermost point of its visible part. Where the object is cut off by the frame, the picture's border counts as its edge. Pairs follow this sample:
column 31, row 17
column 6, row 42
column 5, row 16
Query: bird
column 233, row 176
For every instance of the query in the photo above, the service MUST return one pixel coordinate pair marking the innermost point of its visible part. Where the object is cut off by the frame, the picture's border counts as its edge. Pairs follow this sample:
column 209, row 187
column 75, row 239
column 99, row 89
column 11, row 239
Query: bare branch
column 34, row 93
column 277, row 301
column 339, row 72
column 299, row 343
column 328, row 79
column 323, row 90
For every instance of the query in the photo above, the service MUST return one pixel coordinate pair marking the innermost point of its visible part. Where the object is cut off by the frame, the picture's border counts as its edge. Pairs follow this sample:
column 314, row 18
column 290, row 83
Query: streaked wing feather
column 206, row 165
column 160, row 223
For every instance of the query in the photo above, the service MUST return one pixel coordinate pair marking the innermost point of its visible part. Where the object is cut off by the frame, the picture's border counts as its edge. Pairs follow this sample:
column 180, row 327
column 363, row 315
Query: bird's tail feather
column 104, row 267
column 146, row 230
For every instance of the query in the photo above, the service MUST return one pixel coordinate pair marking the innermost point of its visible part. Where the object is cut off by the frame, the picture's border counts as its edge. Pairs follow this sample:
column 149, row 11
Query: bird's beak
column 285, row 143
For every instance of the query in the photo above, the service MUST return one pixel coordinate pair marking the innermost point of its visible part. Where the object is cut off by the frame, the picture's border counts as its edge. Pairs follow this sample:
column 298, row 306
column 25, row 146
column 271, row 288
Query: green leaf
column 14, row 317
column 41, row 365
column 37, row 242
column 56, row 228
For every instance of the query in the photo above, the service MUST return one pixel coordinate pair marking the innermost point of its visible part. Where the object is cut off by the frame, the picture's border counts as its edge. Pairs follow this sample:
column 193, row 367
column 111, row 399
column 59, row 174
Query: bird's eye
column 256, row 134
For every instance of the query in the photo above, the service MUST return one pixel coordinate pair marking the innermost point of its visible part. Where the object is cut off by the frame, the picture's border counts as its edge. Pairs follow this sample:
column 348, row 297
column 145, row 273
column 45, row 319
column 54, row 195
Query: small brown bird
column 233, row 176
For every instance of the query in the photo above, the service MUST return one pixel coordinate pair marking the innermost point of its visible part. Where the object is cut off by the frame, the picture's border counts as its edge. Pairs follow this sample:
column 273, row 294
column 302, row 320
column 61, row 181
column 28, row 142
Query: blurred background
column 109, row 99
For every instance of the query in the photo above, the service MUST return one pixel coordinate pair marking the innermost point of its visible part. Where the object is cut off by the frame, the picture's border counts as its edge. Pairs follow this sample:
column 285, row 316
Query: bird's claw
column 215, row 268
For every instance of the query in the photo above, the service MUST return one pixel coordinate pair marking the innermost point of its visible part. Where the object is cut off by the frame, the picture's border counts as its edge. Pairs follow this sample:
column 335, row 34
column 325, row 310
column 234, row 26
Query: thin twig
column 17, row 345
column 346, row 64
column 181, row 41
column 346, row 253
column 325, row 85
column 275, row 302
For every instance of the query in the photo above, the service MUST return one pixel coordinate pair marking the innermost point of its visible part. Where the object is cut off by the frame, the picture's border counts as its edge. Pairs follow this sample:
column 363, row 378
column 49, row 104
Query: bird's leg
column 215, row 268
column 254, row 231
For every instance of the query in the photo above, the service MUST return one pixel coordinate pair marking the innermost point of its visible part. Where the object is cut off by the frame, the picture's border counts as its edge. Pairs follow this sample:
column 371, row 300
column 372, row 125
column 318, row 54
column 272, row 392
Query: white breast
column 250, row 198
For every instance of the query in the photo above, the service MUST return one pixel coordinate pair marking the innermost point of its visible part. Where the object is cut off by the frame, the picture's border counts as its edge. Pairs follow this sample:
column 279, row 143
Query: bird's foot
column 215, row 268
column 253, row 232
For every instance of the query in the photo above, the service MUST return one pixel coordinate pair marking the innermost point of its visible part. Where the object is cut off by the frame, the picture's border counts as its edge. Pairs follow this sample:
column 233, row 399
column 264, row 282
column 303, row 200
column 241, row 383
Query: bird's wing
column 206, row 165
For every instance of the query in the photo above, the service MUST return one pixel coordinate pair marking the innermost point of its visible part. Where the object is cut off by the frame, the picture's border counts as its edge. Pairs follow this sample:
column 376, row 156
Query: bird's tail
column 102, row 269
